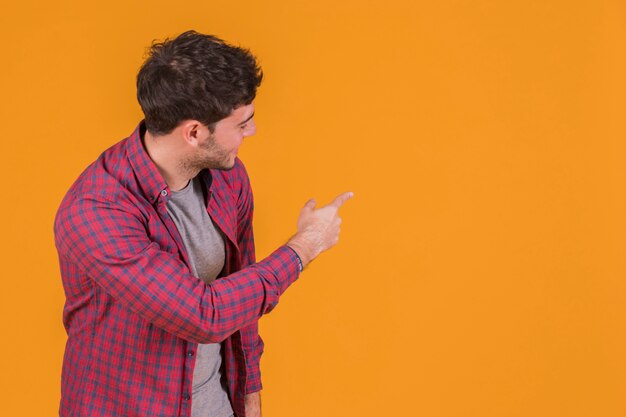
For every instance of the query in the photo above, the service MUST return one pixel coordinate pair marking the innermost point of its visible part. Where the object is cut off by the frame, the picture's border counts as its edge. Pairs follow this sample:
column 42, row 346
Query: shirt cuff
column 253, row 385
column 282, row 264
column 300, row 266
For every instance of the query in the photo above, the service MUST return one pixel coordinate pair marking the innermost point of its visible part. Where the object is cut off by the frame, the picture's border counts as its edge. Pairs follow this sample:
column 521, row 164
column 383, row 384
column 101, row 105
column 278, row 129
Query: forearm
column 253, row 404
column 229, row 303
column 158, row 286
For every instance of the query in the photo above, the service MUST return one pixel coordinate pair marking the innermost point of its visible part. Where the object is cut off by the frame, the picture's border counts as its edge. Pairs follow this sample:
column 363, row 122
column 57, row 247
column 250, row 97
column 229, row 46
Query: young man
column 146, row 231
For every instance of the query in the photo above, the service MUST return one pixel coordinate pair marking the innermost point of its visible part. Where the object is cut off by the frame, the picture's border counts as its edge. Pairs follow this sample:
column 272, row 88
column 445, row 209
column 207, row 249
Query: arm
column 324, row 234
column 108, row 241
column 253, row 404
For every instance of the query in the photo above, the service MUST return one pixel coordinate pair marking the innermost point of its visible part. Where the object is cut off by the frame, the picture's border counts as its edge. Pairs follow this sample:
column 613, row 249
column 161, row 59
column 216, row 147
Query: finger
column 341, row 198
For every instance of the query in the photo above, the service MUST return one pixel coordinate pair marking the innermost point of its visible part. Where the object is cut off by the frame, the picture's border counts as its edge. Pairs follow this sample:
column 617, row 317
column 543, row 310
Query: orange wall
column 482, row 267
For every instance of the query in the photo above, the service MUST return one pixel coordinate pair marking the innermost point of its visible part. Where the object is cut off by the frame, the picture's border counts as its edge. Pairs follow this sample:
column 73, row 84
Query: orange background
column 482, row 267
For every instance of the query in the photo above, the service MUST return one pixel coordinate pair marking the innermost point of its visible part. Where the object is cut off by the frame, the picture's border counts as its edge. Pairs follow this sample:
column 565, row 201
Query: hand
column 253, row 404
column 318, row 229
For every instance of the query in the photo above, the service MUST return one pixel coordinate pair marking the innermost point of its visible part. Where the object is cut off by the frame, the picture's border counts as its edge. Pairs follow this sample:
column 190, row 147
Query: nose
column 250, row 129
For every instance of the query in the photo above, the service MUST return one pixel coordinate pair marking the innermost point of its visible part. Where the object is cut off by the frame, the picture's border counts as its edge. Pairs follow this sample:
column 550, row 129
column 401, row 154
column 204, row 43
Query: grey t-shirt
column 205, row 247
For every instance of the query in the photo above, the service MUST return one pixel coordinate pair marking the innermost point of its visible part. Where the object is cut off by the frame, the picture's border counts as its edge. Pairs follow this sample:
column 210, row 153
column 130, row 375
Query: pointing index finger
column 342, row 198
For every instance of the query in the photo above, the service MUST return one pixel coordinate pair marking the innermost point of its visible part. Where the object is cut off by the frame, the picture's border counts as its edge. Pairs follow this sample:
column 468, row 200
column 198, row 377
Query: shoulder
column 103, row 178
column 101, row 186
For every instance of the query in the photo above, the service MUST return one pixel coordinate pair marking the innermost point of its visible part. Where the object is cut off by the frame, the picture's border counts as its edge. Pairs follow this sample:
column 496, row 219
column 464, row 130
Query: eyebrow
column 247, row 120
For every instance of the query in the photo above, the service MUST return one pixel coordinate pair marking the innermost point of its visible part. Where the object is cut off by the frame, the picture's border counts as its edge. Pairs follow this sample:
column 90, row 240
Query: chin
column 227, row 165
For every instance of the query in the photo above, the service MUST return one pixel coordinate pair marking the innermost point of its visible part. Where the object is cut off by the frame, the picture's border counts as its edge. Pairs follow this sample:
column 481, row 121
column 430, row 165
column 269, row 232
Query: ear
column 192, row 131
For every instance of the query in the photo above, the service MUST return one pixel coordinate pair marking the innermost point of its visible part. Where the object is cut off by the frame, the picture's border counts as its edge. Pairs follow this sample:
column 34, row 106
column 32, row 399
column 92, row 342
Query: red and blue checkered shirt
column 134, row 313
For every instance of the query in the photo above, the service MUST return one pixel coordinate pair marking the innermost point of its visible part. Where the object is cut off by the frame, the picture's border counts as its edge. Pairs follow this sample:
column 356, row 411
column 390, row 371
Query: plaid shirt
column 134, row 312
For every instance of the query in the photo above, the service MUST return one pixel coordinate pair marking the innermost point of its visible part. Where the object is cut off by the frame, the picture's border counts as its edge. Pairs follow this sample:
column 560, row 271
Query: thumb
column 310, row 205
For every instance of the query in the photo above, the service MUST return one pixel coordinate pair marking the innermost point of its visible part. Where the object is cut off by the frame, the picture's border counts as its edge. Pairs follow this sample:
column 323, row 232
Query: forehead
column 240, row 114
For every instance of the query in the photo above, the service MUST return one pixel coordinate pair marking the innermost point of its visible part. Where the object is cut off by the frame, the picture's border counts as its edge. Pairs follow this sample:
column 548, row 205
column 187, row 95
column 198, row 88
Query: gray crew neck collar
column 183, row 191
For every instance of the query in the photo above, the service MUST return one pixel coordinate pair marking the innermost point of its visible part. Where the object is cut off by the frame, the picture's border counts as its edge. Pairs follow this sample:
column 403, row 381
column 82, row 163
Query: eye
column 243, row 126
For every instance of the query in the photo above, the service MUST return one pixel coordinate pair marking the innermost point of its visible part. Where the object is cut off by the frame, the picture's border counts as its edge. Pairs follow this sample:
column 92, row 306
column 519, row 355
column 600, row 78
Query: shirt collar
column 148, row 176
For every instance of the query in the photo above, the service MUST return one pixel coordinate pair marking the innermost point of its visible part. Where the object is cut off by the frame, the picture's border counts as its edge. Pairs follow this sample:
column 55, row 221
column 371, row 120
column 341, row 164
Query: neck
column 166, row 156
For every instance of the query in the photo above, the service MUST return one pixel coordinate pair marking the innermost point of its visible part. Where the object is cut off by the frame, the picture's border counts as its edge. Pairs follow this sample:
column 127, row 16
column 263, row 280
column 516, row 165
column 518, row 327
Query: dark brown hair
column 195, row 76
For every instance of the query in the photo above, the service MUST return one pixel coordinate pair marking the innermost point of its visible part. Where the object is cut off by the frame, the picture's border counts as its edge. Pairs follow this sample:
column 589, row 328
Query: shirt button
column 164, row 193
column 190, row 353
column 186, row 397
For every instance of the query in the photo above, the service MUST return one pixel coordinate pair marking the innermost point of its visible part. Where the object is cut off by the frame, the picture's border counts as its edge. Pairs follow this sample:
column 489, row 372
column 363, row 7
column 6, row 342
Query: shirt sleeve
column 108, row 241
column 251, row 340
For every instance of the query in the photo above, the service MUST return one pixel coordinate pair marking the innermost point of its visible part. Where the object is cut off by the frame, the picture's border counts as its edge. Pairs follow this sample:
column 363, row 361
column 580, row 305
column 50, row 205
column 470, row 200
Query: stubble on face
column 209, row 155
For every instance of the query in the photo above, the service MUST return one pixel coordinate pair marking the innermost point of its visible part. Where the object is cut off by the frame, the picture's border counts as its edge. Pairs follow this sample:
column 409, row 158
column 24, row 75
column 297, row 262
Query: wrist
column 299, row 246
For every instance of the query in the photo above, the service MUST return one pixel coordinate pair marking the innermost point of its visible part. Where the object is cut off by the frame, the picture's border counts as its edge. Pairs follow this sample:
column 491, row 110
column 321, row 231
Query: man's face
column 219, row 149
